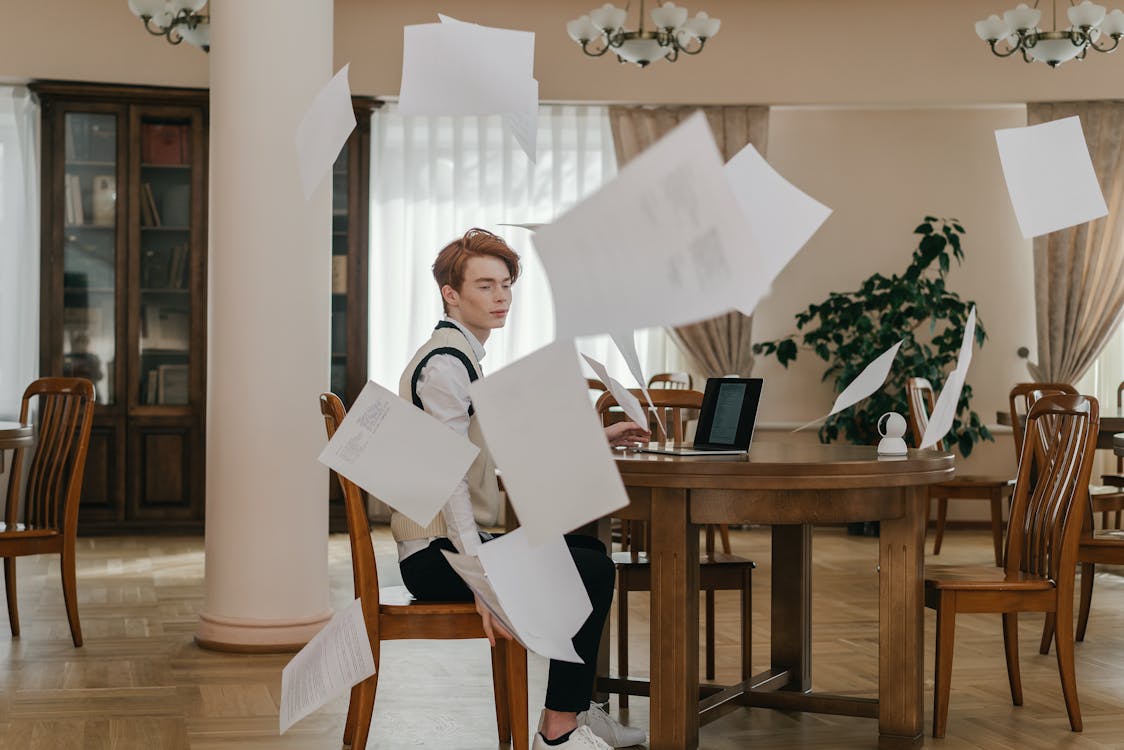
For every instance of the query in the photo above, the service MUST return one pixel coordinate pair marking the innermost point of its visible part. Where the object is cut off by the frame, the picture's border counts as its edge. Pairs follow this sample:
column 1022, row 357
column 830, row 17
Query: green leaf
column 786, row 352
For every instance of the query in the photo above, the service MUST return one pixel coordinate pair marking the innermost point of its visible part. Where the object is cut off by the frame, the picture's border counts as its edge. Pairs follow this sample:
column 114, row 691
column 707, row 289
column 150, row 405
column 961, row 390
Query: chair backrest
column 919, row 397
column 670, row 402
column 58, row 461
column 364, row 572
column 1047, row 515
column 1120, row 408
column 1019, row 401
column 673, row 380
column 594, row 384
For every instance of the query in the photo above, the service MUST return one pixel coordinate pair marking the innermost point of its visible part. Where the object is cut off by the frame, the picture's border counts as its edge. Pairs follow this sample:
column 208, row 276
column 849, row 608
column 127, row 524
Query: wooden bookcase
column 351, row 179
column 124, row 292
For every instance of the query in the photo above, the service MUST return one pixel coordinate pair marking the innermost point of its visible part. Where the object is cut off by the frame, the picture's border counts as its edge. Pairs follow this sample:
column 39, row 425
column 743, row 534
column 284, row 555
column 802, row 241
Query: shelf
column 339, row 355
column 93, row 289
column 102, row 227
column 146, row 351
column 163, row 290
column 165, row 166
column 89, row 164
column 165, row 229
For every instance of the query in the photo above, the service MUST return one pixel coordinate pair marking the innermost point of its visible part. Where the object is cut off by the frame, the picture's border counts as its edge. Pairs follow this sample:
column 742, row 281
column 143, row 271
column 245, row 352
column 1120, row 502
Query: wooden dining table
column 790, row 488
column 14, row 435
column 1112, row 422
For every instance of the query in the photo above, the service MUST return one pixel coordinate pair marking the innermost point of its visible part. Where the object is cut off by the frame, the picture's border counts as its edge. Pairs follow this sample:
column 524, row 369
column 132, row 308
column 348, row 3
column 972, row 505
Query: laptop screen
column 728, row 413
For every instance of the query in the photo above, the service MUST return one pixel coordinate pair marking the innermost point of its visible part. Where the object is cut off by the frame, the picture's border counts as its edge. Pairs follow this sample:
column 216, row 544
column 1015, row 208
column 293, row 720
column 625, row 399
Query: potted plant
column 849, row 329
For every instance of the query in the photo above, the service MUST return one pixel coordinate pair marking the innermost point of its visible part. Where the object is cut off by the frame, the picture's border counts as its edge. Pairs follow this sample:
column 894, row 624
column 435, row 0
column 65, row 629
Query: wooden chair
column 594, row 384
column 1041, row 553
column 54, row 483
column 673, row 380
column 719, row 571
column 1114, row 503
column 919, row 394
column 430, row 620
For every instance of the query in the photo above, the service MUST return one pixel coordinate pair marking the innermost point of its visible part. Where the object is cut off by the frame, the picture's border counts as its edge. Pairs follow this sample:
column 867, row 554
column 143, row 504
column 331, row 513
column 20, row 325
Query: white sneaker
column 581, row 738
column 609, row 729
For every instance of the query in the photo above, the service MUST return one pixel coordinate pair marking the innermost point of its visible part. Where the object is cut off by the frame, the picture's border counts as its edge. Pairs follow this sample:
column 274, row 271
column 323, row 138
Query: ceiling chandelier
column 175, row 20
column 1019, row 31
column 603, row 30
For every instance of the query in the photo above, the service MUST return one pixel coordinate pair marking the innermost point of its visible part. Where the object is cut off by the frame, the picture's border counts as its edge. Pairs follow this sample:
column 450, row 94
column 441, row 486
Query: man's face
column 485, row 296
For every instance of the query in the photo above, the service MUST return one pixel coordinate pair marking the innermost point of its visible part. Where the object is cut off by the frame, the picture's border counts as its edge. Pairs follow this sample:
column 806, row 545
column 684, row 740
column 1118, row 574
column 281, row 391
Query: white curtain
column 19, row 245
column 432, row 178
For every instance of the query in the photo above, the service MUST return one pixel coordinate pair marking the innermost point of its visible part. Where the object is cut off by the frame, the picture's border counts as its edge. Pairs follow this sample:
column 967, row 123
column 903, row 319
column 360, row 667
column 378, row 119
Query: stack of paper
column 458, row 68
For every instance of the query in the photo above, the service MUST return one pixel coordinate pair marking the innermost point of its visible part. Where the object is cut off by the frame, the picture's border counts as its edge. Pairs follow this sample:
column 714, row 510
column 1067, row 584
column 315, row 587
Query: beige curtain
column 1079, row 271
column 719, row 346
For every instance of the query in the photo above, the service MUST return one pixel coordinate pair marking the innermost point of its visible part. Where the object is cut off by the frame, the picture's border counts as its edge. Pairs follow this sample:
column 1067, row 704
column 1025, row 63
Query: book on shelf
column 68, row 203
column 102, row 140
column 172, row 387
column 77, row 213
column 165, row 328
column 150, row 216
column 105, row 200
column 339, row 274
column 152, row 383
column 177, row 273
column 164, row 144
column 176, row 204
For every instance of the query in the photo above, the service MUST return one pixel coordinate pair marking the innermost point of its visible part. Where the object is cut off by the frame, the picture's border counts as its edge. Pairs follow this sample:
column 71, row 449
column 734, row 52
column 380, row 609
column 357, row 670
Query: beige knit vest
column 482, row 485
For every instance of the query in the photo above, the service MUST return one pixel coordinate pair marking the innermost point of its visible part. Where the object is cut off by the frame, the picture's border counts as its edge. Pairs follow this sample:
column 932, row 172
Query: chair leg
column 1011, row 651
column 997, row 526
column 942, row 670
column 352, row 711
column 1088, row 570
column 500, row 689
column 364, row 708
column 724, row 532
column 10, row 590
column 1063, row 642
column 942, row 514
column 928, row 510
column 517, row 696
column 70, row 592
column 622, row 636
column 709, row 597
column 1048, row 626
column 747, row 623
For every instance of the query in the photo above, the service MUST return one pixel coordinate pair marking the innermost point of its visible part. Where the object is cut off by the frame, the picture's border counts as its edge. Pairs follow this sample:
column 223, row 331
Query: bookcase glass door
column 165, row 260
column 89, row 250
column 340, row 246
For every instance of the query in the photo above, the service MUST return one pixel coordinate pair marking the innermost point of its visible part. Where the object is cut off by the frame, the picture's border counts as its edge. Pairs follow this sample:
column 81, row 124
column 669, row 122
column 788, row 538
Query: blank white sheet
column 780, row 216
column 399, row 454
column 628, row 403
column 864, row 385
column 1050, row 176
column 625, row 342
column 557, row 465
column 664, row 243
column 336, row 658
column 944, row 409
column 323, row 130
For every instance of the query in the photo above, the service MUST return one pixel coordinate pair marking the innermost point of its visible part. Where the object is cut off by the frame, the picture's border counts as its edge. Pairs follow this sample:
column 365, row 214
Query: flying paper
column 323, row 131
column 628, row 403
column 570, row 480
column 399, row 453
column 626, row 345
column 337, row 658
column 944, row 410
column 864, row 385
column 664, row 243
column 1050, row 177
column 781, row 217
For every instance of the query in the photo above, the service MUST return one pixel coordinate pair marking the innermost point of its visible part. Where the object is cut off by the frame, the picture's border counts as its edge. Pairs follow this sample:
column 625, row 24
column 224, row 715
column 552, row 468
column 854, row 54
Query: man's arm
column 443, row 390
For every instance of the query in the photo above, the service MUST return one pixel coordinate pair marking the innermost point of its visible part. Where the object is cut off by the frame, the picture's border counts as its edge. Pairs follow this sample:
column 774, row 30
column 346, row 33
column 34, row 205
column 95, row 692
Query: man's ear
column 450, row 295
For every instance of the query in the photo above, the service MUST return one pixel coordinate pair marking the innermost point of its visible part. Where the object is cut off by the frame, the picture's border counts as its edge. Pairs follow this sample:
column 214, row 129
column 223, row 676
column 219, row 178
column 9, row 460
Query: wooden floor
column 140, row 682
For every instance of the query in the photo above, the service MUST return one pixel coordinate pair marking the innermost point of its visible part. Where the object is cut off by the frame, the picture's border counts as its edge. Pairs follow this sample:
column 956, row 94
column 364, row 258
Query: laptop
column 729, row 411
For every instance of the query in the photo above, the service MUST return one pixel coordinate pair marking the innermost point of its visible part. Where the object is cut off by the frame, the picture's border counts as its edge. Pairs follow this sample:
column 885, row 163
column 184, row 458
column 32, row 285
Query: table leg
column 674, row 552
column 901, row 631
column 791, row 617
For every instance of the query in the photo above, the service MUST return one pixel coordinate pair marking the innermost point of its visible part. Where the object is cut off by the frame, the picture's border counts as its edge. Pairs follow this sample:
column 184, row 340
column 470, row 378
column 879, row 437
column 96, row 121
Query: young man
column 475, row 274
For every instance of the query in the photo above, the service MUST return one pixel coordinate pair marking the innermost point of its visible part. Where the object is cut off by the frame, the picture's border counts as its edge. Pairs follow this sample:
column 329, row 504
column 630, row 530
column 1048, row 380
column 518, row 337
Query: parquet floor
column 140, row 682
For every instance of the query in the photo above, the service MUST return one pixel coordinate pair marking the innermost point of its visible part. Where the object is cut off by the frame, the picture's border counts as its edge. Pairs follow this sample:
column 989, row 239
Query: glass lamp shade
column 1054, row 52
column 191, row 6
column 669, row 16
column 641, row 51
column 582, row 29
column 608, row 17
column 151, row 8
column 1086, row 14
column 1023, row 17
column 706, row 26
column 200, row 36
column 992, row 28
column 1113, row 23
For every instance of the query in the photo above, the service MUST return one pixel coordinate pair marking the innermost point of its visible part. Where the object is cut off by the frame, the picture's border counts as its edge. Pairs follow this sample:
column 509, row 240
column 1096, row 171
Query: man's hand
column 492, row 627
column 626, row 433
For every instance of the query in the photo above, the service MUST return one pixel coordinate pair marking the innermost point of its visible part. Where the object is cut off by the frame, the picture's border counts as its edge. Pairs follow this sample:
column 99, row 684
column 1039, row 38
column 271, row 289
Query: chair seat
column 1105, row 489
column 1107, row 538
column 421, row 609
column 718, row 558
column 1113, row 480
column 968, row 577
column 24, row 530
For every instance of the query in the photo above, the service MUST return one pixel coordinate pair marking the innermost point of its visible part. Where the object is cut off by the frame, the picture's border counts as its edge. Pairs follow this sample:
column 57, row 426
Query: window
column 435, row 177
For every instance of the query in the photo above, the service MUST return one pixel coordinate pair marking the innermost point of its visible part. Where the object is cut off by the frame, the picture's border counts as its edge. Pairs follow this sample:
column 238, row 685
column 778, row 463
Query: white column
column 268, row 329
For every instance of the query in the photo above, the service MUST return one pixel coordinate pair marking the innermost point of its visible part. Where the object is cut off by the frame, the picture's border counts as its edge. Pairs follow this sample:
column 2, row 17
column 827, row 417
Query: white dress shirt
column 443, row 390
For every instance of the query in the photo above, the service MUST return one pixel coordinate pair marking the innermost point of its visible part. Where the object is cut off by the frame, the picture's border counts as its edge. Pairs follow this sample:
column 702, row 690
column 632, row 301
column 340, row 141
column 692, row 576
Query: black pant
column 429, row 577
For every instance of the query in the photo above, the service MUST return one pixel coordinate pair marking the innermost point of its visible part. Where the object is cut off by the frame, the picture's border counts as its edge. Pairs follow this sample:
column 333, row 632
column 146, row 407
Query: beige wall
column 770, row 52
column 882, row 170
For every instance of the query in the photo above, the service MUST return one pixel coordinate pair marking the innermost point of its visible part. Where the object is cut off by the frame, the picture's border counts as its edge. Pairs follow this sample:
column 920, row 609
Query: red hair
column 476, row 243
